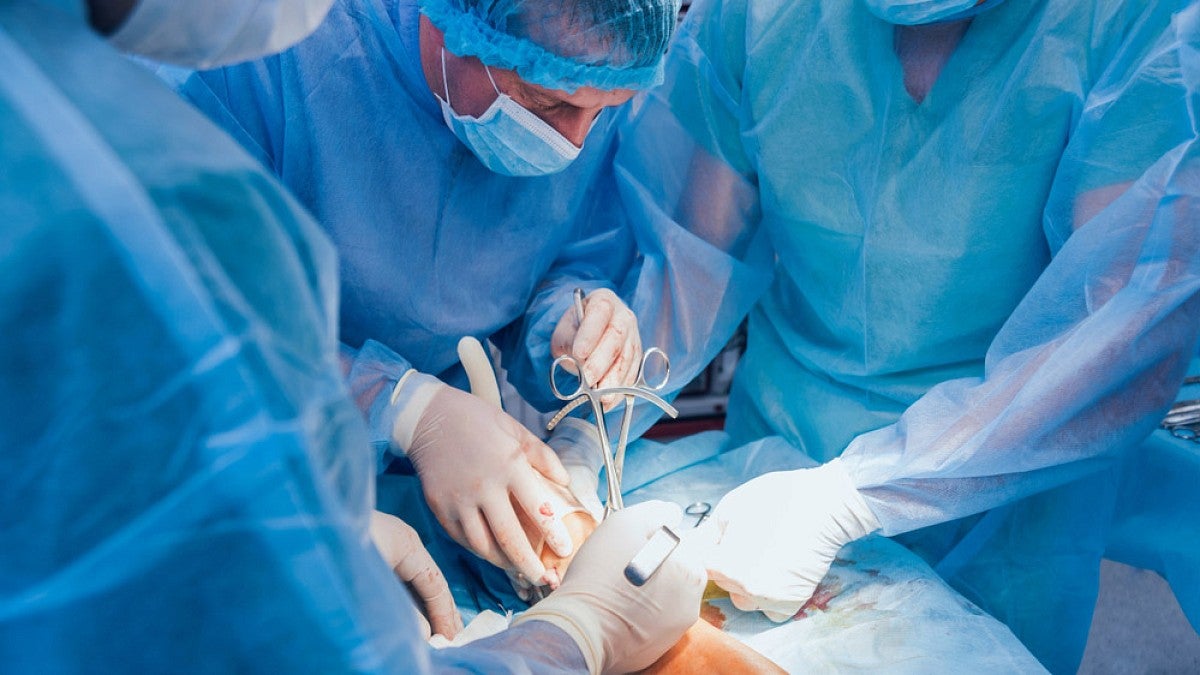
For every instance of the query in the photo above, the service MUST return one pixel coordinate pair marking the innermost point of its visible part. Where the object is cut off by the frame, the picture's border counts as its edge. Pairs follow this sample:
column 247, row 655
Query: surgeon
column 185, row 483
column 455, row 151
column 968, row 238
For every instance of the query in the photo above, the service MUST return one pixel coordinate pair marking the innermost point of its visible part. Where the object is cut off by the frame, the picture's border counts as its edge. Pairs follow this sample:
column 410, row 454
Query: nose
column 574, row 126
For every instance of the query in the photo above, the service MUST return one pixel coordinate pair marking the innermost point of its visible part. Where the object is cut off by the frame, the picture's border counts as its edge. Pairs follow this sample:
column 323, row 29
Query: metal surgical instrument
column 651, row 556
column 699, row 509
column 640, row 383
column 568, row 366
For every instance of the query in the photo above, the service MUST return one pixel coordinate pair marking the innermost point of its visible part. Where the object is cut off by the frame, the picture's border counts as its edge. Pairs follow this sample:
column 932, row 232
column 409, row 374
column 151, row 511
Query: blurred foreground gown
column 184, row 483
column 973, row 299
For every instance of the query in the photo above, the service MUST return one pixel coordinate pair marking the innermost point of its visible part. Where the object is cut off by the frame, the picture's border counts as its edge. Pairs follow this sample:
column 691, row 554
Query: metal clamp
column 651, row 556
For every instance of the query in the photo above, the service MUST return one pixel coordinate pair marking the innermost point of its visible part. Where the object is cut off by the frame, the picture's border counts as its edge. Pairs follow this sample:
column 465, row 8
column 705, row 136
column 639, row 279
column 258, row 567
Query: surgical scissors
column 585, row 392
column 701, row 509
column 1186, row 434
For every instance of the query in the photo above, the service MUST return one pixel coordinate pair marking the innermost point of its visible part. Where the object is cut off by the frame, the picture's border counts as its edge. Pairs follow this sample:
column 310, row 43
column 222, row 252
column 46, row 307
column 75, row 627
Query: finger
column 447, row 515
column 535, row 501
column 742, row 602
column 635, row 339
column 619, row 375
column 479, row 539
column 519, row 584
column 426, row 632
column 606, row 353
column 779, row 615
column 597, row 315
column 423, row 576
column 511, row 538
column 564, row 334
column 648, row 517
column 539, row 455
column 731, row 585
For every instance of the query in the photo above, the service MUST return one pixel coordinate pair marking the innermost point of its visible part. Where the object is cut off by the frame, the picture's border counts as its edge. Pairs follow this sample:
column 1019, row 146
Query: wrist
column 409, row 400
column 574, row 441
column 576, row 620
column 856, row 517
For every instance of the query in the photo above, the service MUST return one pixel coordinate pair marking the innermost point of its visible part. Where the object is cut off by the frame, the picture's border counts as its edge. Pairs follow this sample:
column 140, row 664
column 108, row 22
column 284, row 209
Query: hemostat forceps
column 568, row 366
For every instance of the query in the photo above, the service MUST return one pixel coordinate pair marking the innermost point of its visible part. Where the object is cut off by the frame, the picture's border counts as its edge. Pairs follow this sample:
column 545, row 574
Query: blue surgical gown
column 184, row 483
column 433, row 245
column 978, row 300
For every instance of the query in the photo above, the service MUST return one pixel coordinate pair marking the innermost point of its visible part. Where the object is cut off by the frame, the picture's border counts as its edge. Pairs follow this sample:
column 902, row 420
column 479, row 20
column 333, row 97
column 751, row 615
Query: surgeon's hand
column 402, row 550
column 607, row 342
column 575, row 443
column 777, row 535
column 620, row 627
column 478, row 466
column 579, row 521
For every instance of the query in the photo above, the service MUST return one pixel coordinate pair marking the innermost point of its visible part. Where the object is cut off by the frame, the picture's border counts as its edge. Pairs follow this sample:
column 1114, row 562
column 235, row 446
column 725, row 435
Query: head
column 919, row 12
column 209, row 33
column 564, row 61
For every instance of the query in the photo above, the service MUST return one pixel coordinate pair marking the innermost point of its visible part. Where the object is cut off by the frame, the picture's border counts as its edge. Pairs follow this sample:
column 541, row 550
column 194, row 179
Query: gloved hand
column 477, row 466
column 607, row 342
column 620, row 627
column 777, row 535
column 574, row 441
column 402, row 550
column 580, row 527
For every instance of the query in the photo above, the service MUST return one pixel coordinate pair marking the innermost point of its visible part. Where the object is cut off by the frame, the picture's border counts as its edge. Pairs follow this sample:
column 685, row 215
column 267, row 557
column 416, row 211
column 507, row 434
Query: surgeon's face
column 471, row 92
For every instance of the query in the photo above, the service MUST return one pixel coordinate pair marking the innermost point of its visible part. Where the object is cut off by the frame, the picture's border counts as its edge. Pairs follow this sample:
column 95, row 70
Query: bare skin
column 471, row 91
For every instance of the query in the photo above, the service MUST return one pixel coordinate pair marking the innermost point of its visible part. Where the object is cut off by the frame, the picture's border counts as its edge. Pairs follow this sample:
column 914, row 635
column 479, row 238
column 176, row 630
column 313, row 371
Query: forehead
column 583, row 97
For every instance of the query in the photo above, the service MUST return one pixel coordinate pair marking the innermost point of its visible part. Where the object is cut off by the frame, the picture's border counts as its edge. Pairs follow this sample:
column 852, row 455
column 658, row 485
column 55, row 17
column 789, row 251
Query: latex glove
column 574, row 441
column 478, row 466
column 401, row 548
column 580, row 523
column 607, row 342
column 620, row 627
column 777, row 535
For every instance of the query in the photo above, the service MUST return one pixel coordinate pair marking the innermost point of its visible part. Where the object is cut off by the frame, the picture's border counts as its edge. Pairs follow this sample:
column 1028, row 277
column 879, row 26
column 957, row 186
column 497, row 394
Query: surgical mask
column 210, row 33
column 507, row 138
column 909, row 13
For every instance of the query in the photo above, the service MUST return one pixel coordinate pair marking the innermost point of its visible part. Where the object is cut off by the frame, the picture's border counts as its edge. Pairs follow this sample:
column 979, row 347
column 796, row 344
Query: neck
column 924, row 51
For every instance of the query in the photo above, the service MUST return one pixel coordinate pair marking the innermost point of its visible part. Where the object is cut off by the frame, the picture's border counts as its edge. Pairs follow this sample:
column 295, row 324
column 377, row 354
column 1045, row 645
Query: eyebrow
column 543, row 99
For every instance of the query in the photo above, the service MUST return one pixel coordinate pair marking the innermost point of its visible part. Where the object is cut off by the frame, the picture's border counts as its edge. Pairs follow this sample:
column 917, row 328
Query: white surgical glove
column 575, row 442
column 619, row 627
column 607, row 342
column 778, row 534
column 477, row 466
column 401, row 548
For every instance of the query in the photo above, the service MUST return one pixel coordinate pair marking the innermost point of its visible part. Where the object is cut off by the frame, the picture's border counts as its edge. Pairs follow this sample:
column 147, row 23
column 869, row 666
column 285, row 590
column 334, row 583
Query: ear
column 430, row 41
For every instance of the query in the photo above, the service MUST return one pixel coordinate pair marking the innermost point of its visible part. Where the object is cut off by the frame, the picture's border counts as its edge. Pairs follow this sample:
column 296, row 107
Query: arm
column 1083, row 368
column 688, row 198
column 1093, row 355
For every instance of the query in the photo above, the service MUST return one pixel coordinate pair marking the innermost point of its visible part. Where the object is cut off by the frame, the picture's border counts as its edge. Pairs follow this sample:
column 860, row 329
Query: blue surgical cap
column 562, row 44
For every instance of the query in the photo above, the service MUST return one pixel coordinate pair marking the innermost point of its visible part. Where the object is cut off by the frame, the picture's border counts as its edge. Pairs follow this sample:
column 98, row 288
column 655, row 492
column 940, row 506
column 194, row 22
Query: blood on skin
column 712, row 614
column 546, row 510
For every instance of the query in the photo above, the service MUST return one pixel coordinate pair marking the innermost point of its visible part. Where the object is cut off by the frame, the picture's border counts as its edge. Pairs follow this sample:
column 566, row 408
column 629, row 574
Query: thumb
column 584, row 481
column 647, row 517
column 564, row 334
